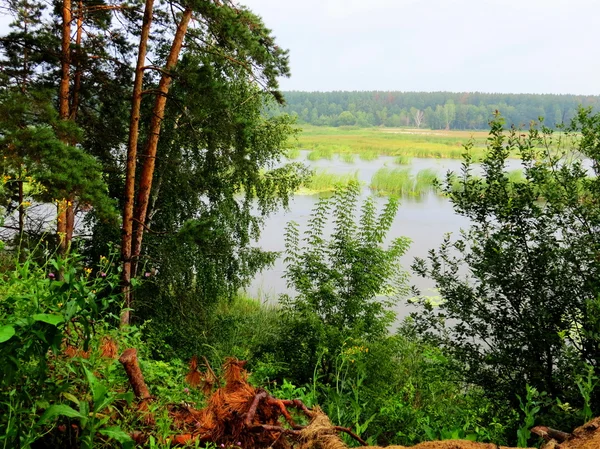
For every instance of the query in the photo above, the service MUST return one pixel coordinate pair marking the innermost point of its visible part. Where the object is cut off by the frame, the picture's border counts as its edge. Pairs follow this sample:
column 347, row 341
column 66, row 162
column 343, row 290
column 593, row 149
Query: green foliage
column 39, row 314
column 340, row 279
column 530, row 407
column 521, row 315
column 437, row 110
column 348, row 158
column 34, row 141
column 323, row 181
column 319, row 154
column 403, row 160
column 402, row 182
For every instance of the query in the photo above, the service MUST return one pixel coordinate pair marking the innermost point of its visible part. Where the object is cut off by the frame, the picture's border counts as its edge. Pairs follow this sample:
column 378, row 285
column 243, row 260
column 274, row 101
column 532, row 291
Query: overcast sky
column 521, row 46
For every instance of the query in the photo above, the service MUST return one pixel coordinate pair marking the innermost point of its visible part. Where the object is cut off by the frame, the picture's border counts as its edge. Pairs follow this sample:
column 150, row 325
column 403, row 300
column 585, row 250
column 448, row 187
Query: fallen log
column 129, row 361
column 584, row 437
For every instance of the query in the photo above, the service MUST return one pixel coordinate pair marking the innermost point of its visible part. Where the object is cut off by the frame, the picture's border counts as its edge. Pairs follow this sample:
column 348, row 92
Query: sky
column 516, row 46
column 508, row 46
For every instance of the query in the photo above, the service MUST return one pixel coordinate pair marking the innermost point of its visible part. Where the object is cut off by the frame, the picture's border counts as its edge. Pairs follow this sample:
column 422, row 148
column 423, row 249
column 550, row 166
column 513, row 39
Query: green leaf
column 98, row 390
column 6, row 333
column 70, row 397
column 116, row 433
column 52, row 319
column 59, row 410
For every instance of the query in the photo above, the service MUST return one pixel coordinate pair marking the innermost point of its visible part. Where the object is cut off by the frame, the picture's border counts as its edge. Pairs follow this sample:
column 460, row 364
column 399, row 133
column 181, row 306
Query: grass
column 368, row 155
column 348, row 158
column 515, row 176
column 323, row 153
column 367, row 142
column 401, row 182
column 293, row 153
column 403, row 160
column 324, row 181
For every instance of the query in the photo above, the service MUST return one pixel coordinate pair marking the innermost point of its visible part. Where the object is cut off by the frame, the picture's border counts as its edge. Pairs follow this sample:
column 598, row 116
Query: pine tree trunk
column 63, row 103
column 127, row 231
column 154, row 133
column 73, row 109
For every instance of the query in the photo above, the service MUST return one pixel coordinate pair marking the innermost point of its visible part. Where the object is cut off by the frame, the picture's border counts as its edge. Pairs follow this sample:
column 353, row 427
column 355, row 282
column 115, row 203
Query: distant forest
column 435, row 110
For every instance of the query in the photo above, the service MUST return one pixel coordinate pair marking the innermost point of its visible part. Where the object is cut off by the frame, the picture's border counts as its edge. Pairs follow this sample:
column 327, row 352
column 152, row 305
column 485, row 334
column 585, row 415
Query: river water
column 424, row 220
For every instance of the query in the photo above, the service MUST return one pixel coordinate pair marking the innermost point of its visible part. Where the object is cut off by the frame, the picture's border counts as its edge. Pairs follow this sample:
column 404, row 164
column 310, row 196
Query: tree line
column 435, row 110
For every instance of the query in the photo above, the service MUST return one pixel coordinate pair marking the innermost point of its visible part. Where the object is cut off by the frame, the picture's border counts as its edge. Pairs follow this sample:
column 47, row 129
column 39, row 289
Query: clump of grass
column 403, row 160
column 321, row 153
column 515, row 176
column 348, row 158
column 388, row 181
column 426, row 179
column 368, row 155
column 293, row 153
column 323, row 181
column 400, row 181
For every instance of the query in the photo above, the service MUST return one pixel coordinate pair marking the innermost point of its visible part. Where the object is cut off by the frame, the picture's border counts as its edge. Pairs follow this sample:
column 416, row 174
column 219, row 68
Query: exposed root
column 238, row 414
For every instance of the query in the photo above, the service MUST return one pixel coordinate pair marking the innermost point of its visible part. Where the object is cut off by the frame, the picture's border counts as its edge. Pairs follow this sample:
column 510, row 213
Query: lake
column 424, row 220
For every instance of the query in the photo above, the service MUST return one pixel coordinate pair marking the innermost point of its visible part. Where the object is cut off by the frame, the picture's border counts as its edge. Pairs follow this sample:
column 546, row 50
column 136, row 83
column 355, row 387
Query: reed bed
column 368, row 155
column 349, row 158
column 321, row 153
column 324, row 181
column 293, row 153
column 401, row 182
column 403, row 160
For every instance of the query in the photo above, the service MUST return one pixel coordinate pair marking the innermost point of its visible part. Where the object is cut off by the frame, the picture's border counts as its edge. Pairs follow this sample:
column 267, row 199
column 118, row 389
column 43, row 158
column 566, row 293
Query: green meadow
column 370, row 143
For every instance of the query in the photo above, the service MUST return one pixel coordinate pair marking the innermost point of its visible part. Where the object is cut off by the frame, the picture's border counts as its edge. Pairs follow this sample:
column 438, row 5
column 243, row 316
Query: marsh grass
column 401, row 182
column 348, row 158
column 293, row 153
column 321, row 153
column 324, row 181
column 368, row 155
column 403, row 160
column 392, row 142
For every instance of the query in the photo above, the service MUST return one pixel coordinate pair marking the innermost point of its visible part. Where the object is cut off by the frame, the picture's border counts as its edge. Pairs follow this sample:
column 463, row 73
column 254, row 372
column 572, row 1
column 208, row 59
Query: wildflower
column 102, row 274
column 222, row 445
column 239, row 443
column 186, row 390
column 87, row 271
column 60, row 304
column 147, row 274
column 51, row 275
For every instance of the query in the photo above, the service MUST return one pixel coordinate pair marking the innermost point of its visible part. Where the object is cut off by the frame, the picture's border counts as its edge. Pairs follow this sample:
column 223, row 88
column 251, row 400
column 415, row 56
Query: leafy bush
column 520, row 287
column 44, row 308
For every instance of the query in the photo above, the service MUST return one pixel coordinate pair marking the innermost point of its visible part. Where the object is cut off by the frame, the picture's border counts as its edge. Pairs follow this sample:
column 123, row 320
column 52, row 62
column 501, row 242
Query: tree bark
column 63, row 110
column 154, row 134
column 129, row 361
column 78, row 69
column 134, row 123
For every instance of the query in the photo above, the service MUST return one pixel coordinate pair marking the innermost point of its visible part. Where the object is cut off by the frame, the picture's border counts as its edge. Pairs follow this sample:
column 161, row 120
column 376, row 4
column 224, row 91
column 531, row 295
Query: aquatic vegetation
column 400, row 181
column 321, row 153
column 293, row 153
column 368, row 155
column 324, row 181
column 348, row 158
column 403, row 160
